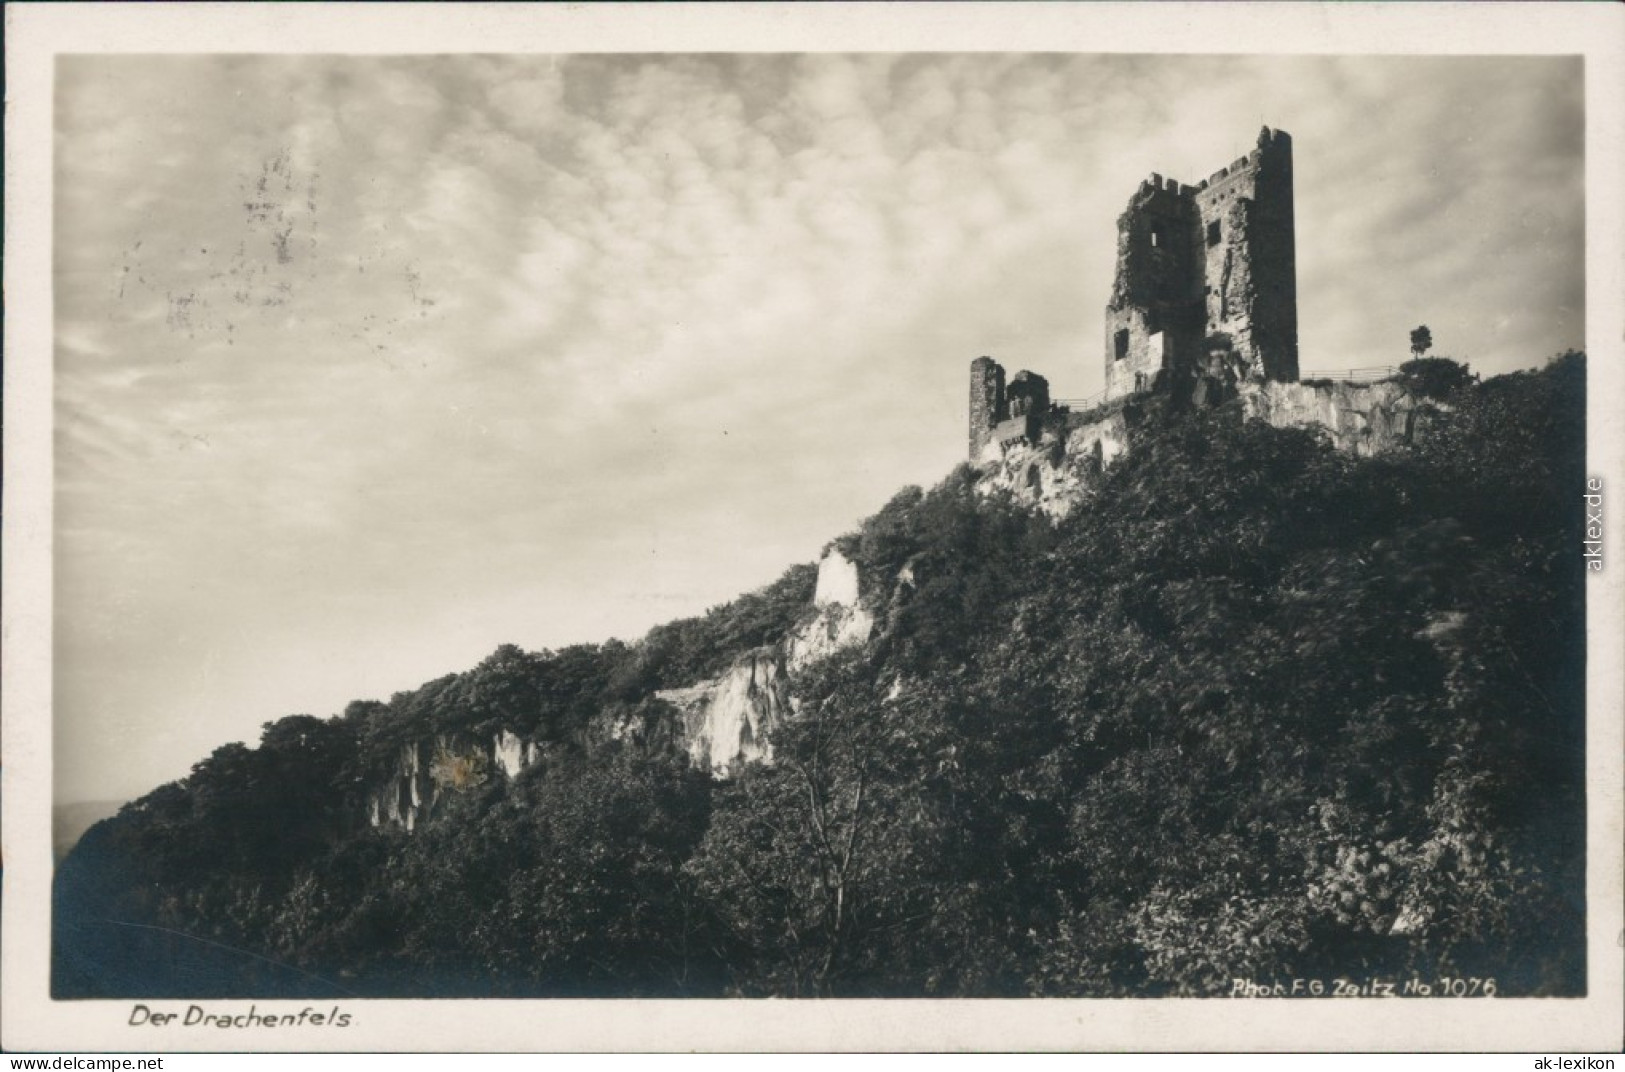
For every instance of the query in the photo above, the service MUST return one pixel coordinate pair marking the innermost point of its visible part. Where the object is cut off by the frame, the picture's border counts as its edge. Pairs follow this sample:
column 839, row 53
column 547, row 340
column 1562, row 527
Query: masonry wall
column 1207, row 273
column 1249, row 264
column 1026, row 393
column 1274, row 232
column 987, row 407
column 1149, row 316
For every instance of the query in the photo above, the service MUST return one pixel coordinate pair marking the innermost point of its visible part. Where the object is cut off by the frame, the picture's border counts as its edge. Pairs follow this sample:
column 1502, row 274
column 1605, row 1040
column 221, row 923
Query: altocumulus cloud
column 366, row 365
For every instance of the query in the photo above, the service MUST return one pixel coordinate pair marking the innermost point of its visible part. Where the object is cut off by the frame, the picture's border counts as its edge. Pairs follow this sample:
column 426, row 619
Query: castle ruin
column 1205, row 297
column 1003, row 412
column 1206, row 281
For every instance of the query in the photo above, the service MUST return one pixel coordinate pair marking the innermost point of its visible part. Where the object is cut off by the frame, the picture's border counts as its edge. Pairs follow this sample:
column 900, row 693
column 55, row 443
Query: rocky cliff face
column 721, row 724
column 405, row 795
column 841, row 620
column 424, row 771
column 729, row 721
column 1362, row 418
column 1055, row 472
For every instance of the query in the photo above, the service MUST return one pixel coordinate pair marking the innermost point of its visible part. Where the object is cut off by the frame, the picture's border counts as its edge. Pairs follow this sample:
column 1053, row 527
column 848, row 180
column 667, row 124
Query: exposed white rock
column 397, row 800
column 841, row 622
column 836, row 628
column 837, row 580
column 722, row 724
column 508, row 750
column 729, row 721
column 1411, row 920
column 1054, row 474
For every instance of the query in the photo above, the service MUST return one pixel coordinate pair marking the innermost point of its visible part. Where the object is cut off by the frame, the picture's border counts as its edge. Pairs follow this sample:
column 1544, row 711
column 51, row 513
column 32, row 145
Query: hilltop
column 1249, row 707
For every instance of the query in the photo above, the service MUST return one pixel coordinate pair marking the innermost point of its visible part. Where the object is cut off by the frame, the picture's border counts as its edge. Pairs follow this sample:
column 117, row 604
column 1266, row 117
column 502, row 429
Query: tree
column 790, row 860
column 1421, row 341
column 1435, row 377
column 574, row 886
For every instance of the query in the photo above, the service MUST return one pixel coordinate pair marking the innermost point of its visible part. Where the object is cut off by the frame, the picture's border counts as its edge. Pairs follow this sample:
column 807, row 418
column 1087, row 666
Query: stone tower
column 987, row 407
column 1005, row 412
column 1206, row 285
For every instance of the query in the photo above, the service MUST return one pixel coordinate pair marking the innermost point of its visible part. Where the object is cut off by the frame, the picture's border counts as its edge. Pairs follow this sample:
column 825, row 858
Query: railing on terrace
column 1078, row 405
column 1369, row 374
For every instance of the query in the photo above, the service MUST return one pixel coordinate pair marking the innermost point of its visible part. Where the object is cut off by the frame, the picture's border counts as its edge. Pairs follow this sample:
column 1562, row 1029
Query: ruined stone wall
column 1149, row 317
column 987, row 407
column 1225, row 207
column 1249, row 260
column 1027, row 392
column 1057, row 471
column 1275, row 315
column 1003, row 413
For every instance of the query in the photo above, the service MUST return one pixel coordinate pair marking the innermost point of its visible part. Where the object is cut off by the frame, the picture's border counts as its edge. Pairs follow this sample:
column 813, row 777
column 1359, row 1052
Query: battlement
column 1270, row 142
column 1206, row 276
column 1002, row 412
column 1158, row 183
column 1204, row 297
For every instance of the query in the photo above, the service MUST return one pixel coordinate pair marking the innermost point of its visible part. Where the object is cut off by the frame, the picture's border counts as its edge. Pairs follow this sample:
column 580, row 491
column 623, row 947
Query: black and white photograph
column 670, row 525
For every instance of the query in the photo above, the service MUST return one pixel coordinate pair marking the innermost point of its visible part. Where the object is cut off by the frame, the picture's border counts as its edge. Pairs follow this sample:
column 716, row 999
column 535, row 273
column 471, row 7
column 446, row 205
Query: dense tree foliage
column 1434, row 377
column 1258, row 709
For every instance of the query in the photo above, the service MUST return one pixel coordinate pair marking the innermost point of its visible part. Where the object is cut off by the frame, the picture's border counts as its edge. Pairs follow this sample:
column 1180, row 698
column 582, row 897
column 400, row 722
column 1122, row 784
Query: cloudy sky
column 365, row 366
